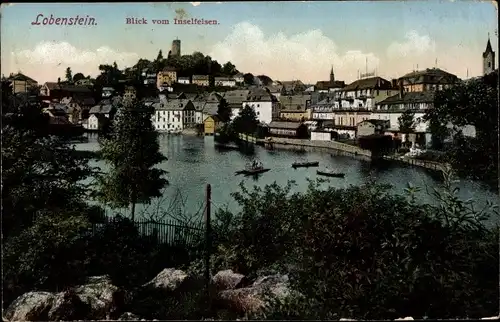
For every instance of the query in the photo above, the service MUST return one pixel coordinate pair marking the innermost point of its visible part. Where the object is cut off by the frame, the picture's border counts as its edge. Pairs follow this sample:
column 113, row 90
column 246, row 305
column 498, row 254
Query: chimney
column 401, row 89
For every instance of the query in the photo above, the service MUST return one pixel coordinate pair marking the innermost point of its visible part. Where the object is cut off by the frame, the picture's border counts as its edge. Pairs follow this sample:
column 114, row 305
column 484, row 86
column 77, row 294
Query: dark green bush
column 363, row 252
column 61, row 251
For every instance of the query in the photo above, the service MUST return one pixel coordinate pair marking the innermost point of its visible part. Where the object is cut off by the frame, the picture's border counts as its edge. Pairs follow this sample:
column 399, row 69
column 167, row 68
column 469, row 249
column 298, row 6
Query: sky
column 284, row 40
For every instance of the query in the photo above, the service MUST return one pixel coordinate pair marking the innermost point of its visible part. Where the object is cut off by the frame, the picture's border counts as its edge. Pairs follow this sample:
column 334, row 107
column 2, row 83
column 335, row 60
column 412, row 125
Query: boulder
column 227, row 280
column 169, row 279
column 253, row 299
column 95, row 299
column 68, row 306
column 31, row 306
column 99, row 293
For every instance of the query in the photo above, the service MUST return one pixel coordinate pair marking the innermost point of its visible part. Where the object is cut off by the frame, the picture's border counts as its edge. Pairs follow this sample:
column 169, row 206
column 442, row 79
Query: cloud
column 307, row 56
column 50, row 59
column 414, row 45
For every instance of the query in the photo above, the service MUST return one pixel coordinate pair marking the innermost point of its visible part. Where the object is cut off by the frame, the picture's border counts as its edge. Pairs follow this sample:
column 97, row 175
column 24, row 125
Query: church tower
column 332, row 76
column 488, row 59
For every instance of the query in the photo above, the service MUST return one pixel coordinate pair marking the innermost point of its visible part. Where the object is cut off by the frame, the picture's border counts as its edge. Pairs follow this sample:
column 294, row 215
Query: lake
column 193, row 162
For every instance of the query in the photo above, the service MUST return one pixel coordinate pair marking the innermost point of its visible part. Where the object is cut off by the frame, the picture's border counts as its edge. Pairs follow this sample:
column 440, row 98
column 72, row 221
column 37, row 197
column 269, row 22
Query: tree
column 160, row 56
column 77, row 77
column 246, row 121
column 69, row 76
column 224, row 111
column 407, row 122
column 475, row 103
column 133, row 151
column 248, row 79
column 229, row 69
column 266, row 80
column 39, row 171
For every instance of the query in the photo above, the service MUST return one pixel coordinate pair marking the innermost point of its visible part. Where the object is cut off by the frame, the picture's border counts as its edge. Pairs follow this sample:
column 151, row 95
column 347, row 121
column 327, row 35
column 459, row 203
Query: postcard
column 343, row 154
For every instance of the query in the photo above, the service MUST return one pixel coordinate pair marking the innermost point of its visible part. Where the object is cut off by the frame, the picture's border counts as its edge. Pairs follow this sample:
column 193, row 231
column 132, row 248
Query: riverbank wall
column 336, row 148
column 430, row 165
column 341, row 149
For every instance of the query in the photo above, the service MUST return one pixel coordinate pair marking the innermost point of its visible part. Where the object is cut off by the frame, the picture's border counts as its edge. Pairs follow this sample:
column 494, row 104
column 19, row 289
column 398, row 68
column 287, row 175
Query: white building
column 97, row 113
column 321, row 135
column 324, row 110
column 173, row 115
column 393, row 107
column 365, row 93
column 183, row 80
column 264, row 104
column 239, row 79
column 225, row 81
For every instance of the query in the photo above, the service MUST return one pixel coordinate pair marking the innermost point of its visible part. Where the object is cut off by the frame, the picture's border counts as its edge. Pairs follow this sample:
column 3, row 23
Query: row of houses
column 169, row 75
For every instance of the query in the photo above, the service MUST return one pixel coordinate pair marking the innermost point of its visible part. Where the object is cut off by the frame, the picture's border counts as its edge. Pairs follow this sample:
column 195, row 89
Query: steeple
column 488, row 47
column 488, row 58
column 332, row 75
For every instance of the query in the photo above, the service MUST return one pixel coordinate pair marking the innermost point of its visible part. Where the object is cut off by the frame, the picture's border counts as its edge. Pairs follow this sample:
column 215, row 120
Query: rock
column 242, row 300
column 68, row 306
column 31, row 306
column 227, row 280
column 94, row 300
column 271, row 280
column 128, row 316
column 99, row 293
column 168, row 279
column 253, row 299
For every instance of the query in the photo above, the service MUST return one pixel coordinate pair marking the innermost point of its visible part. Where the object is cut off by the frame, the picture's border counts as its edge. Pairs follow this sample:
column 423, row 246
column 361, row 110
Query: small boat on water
column 330, row 173
column 305, row 164
column 253, row 169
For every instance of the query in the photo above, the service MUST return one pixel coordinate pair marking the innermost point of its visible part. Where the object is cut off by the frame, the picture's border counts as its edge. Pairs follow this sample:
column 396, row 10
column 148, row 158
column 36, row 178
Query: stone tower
column 332, row 76
column 176, row 48
column 488, row 59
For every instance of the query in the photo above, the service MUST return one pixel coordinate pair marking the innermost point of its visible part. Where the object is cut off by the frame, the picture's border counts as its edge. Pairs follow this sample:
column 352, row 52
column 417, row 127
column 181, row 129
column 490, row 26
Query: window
column 489, row 64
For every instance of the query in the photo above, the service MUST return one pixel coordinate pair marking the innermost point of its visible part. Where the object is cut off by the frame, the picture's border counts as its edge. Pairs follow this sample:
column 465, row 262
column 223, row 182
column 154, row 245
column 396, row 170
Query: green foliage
column 78, row 76
column 224, row 111
column 248, row 79
column 385, row 257
column 50, row 254
column 132, row 150
column 229, row 69
column 246, row 122
column 226, row 134
column 474, row 102
column 407, row 121
column 39, row 171
column 69, row 75
column 60, row 250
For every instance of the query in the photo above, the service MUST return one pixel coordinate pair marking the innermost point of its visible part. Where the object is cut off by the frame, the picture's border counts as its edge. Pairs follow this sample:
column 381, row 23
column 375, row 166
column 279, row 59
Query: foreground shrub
column 60, row 251
column 363, row 252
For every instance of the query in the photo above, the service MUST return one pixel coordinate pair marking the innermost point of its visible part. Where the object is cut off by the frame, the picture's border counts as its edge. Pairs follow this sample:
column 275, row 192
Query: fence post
column 208, row 201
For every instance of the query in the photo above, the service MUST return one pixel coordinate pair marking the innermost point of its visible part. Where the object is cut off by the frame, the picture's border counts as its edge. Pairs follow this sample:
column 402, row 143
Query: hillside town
column 330, row 109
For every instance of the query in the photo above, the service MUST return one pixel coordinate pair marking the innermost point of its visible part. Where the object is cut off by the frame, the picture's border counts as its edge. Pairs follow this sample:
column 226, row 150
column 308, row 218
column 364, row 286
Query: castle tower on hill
column 176, row 48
